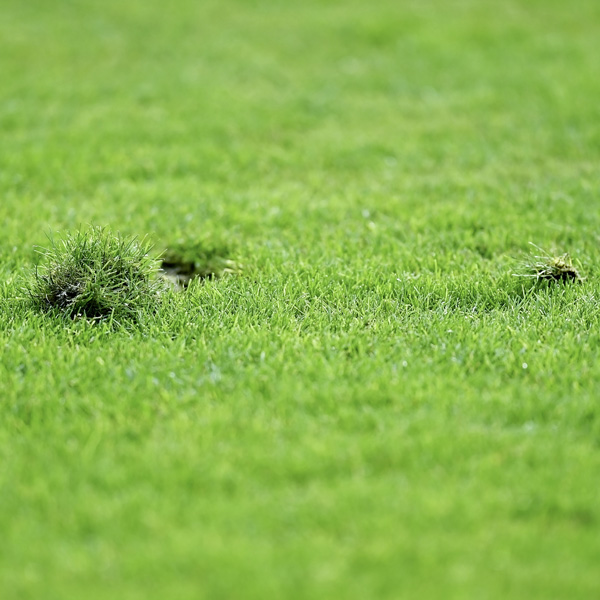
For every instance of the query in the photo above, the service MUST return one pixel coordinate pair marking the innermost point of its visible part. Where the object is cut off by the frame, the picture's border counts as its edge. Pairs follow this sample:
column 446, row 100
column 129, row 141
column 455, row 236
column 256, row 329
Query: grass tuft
column 550, row 267
column 96, row 274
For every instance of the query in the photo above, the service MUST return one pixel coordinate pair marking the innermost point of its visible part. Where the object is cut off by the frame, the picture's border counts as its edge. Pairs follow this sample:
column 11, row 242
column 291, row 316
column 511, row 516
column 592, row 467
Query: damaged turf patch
column 97, row 275
column 548, row 267
column 182, row 263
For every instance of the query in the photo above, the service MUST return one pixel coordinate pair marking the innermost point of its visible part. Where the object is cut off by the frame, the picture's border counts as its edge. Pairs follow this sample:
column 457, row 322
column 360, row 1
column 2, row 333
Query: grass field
column 374, row 407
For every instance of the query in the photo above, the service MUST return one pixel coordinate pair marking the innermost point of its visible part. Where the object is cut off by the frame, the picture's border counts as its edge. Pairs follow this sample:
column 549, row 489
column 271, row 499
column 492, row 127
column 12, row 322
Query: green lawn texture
column 375, row 407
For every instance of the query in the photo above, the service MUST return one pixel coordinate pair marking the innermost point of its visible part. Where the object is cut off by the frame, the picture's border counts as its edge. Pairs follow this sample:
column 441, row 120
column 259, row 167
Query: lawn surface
column 375, row 407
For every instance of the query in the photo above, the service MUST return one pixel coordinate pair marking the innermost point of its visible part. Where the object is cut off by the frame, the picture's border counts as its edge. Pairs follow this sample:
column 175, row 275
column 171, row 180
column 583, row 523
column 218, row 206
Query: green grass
column 97, row 275
column 374, row 407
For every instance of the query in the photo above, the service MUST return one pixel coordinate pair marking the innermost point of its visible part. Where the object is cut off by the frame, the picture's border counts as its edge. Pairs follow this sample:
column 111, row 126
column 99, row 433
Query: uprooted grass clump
column 96, row 274
column 546, row 267
column 201, row 259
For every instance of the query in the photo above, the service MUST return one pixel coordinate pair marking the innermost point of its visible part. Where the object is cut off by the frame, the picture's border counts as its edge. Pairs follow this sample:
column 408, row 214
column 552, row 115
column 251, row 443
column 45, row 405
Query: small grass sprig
column 96, row 274
column 549, row 267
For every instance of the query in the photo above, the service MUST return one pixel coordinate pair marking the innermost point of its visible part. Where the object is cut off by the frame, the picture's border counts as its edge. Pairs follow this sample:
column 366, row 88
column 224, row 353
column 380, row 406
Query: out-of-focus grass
column 374, row 406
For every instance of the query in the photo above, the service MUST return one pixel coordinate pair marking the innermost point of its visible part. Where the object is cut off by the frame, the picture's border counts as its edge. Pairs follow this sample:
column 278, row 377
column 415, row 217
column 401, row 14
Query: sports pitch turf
column 373, row 406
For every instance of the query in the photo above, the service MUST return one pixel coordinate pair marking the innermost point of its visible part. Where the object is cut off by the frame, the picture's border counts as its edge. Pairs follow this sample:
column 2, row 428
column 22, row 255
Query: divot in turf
column 182, row 263
column 550, row 267
column 97, row 275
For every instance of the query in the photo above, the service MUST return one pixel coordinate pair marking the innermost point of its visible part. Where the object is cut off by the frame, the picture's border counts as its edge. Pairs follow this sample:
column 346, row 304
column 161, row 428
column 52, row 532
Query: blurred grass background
column 352, row 417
